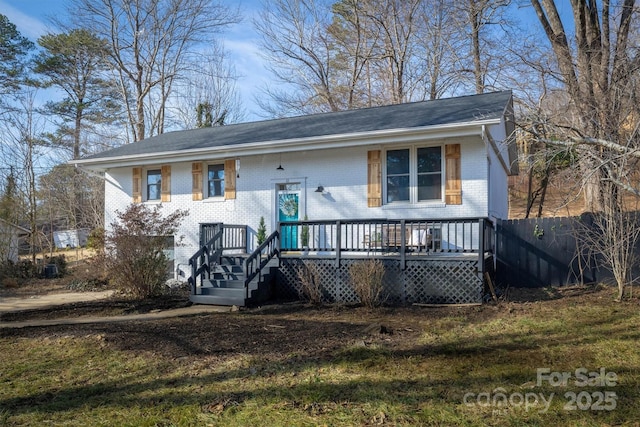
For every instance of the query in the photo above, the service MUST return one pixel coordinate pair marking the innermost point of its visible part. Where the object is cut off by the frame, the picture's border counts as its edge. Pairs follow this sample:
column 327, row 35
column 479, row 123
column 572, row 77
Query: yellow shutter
column 136, row 191
column 453, row 182
column 374, row 178
column 165, row 183
column 230, row 179
column 196, row 174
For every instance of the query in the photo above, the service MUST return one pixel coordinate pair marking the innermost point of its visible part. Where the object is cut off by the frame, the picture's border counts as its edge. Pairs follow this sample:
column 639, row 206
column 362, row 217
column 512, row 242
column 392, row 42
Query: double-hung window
column 414, row 175
column 216, row 180
column 154, row 184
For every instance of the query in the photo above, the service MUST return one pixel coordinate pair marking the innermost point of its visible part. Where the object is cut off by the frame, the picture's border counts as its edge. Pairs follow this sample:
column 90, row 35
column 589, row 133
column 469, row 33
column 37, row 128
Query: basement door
column 288, row 202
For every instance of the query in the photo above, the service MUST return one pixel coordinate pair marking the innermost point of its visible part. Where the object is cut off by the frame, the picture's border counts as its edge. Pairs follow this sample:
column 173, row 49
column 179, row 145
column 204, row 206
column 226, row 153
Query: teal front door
column 288, row 210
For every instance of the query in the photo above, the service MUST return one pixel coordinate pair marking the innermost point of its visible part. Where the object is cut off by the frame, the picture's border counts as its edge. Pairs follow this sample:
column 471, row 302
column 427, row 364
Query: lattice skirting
column 435, row 281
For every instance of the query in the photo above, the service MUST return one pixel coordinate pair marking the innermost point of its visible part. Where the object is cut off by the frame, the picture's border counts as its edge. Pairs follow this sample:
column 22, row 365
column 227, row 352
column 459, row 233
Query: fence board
column 541, row 252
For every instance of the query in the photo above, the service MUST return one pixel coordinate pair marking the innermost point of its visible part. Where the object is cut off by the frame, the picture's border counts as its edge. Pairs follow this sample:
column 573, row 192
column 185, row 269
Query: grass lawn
column 337, row 366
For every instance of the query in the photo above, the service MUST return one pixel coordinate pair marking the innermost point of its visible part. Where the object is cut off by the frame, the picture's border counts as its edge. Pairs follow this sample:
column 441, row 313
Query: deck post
column 338, row 242
column 403, row 245
column 481, row 247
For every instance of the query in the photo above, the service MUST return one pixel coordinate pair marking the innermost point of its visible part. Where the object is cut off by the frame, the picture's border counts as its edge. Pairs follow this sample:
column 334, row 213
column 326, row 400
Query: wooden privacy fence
column 542, row 252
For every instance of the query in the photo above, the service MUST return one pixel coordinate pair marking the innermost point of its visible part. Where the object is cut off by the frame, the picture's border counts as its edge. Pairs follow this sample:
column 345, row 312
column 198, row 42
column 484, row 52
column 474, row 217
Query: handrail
column 254, row 268
column 200, row 262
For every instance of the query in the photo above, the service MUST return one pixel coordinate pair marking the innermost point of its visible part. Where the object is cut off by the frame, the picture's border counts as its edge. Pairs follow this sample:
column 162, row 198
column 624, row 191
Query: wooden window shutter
column 136, row 191
column 165, row 183
column 230, row 179
column 453, row 181
column 374, row 178
column 196, row 187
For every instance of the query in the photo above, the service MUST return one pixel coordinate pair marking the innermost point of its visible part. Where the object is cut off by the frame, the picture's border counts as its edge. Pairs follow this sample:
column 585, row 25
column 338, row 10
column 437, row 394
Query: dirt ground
column 270, row 331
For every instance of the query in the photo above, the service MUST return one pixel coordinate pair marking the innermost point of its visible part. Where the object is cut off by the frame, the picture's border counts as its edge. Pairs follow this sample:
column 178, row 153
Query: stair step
column 217, row 300
column 233, row 259
column 229, row 268
column 225, row 276
column 230, row 284
column 226, row 292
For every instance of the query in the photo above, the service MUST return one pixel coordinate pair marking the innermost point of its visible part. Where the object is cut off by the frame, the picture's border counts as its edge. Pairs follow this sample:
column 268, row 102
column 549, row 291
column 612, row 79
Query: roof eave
column 292, row 145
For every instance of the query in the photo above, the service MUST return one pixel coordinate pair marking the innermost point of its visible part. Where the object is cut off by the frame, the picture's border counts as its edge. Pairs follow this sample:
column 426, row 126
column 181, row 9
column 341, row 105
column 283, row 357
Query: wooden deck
column 426, row 261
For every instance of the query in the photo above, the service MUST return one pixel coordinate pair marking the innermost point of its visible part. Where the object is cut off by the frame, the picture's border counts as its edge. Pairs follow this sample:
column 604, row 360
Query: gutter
column 486, row 136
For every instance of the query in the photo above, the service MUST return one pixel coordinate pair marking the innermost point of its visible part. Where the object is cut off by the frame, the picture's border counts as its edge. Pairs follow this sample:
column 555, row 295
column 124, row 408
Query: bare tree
column 394, row 24
column 598, row 73
column 21, row 148
column 209, row 88
column 300, row 53
column 438, row 41
column 344, row 55
column 598, row 70
column 149, row 42
column 485, row 24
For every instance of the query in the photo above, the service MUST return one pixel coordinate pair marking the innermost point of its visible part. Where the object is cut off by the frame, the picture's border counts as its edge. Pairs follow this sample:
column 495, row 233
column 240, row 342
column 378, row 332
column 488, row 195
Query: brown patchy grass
column 301, row 365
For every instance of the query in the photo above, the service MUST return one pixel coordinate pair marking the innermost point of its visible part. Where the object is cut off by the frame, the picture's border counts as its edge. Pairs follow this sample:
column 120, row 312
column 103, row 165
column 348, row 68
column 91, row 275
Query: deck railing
column 383, row 237
column 260, row 258
column 215, row 237
column 388, row 237
column 440, row 235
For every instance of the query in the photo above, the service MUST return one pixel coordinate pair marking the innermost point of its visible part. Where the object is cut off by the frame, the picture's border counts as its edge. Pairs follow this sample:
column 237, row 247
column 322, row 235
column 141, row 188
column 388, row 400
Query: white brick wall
column 342, row 172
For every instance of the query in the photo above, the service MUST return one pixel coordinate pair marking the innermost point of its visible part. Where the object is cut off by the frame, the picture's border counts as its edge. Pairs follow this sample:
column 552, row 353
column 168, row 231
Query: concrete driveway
column 42, row 301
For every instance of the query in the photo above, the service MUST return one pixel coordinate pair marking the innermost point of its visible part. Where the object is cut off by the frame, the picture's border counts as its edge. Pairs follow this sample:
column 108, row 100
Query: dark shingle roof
column 401, row 116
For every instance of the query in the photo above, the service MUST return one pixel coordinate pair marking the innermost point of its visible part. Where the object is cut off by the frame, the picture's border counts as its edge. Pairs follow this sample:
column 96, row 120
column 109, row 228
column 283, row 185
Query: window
column 429, row 173
column 154, row 182
column 215, row 179
column 398, row 175
column 414, row 174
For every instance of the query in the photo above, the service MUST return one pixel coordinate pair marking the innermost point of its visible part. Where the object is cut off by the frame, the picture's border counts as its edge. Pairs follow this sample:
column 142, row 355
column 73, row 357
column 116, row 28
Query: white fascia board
column 292, row 145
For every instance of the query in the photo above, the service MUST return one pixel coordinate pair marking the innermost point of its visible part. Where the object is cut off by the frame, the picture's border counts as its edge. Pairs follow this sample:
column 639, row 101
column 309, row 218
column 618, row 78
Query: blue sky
column 31, row 18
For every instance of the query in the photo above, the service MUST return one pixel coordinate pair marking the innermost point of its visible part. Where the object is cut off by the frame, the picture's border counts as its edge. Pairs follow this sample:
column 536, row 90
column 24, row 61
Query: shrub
column 261, row 234
column 95, row 240
column 18, row 272
column 10, row 283
column 366, row 278
column 304, row 234
column 91, row 284
column 135, row 260
column 309, row 277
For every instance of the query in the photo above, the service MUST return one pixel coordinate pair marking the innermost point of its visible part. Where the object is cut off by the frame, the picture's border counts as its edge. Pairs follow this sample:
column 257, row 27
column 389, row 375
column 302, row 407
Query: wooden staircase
column 227, row 283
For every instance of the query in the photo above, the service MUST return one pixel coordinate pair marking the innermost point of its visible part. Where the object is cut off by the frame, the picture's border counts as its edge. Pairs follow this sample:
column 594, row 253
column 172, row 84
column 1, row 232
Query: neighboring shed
column 75, row 238
column 9, row 240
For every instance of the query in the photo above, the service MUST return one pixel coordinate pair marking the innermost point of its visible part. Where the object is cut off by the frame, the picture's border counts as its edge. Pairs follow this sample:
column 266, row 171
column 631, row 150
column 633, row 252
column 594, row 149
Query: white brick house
column 448, row 158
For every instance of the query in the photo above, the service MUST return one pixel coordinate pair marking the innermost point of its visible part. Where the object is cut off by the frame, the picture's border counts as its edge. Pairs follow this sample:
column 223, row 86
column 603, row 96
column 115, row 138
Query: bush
column 261, row 235
column 95, row 240
column 91, row 284
column 21, row 270
column 309, row 277
column 366, row 278
column 135, row 260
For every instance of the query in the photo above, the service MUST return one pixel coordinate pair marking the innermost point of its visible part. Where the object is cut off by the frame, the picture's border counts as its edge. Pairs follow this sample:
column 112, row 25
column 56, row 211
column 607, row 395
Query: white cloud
column 28, row 25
